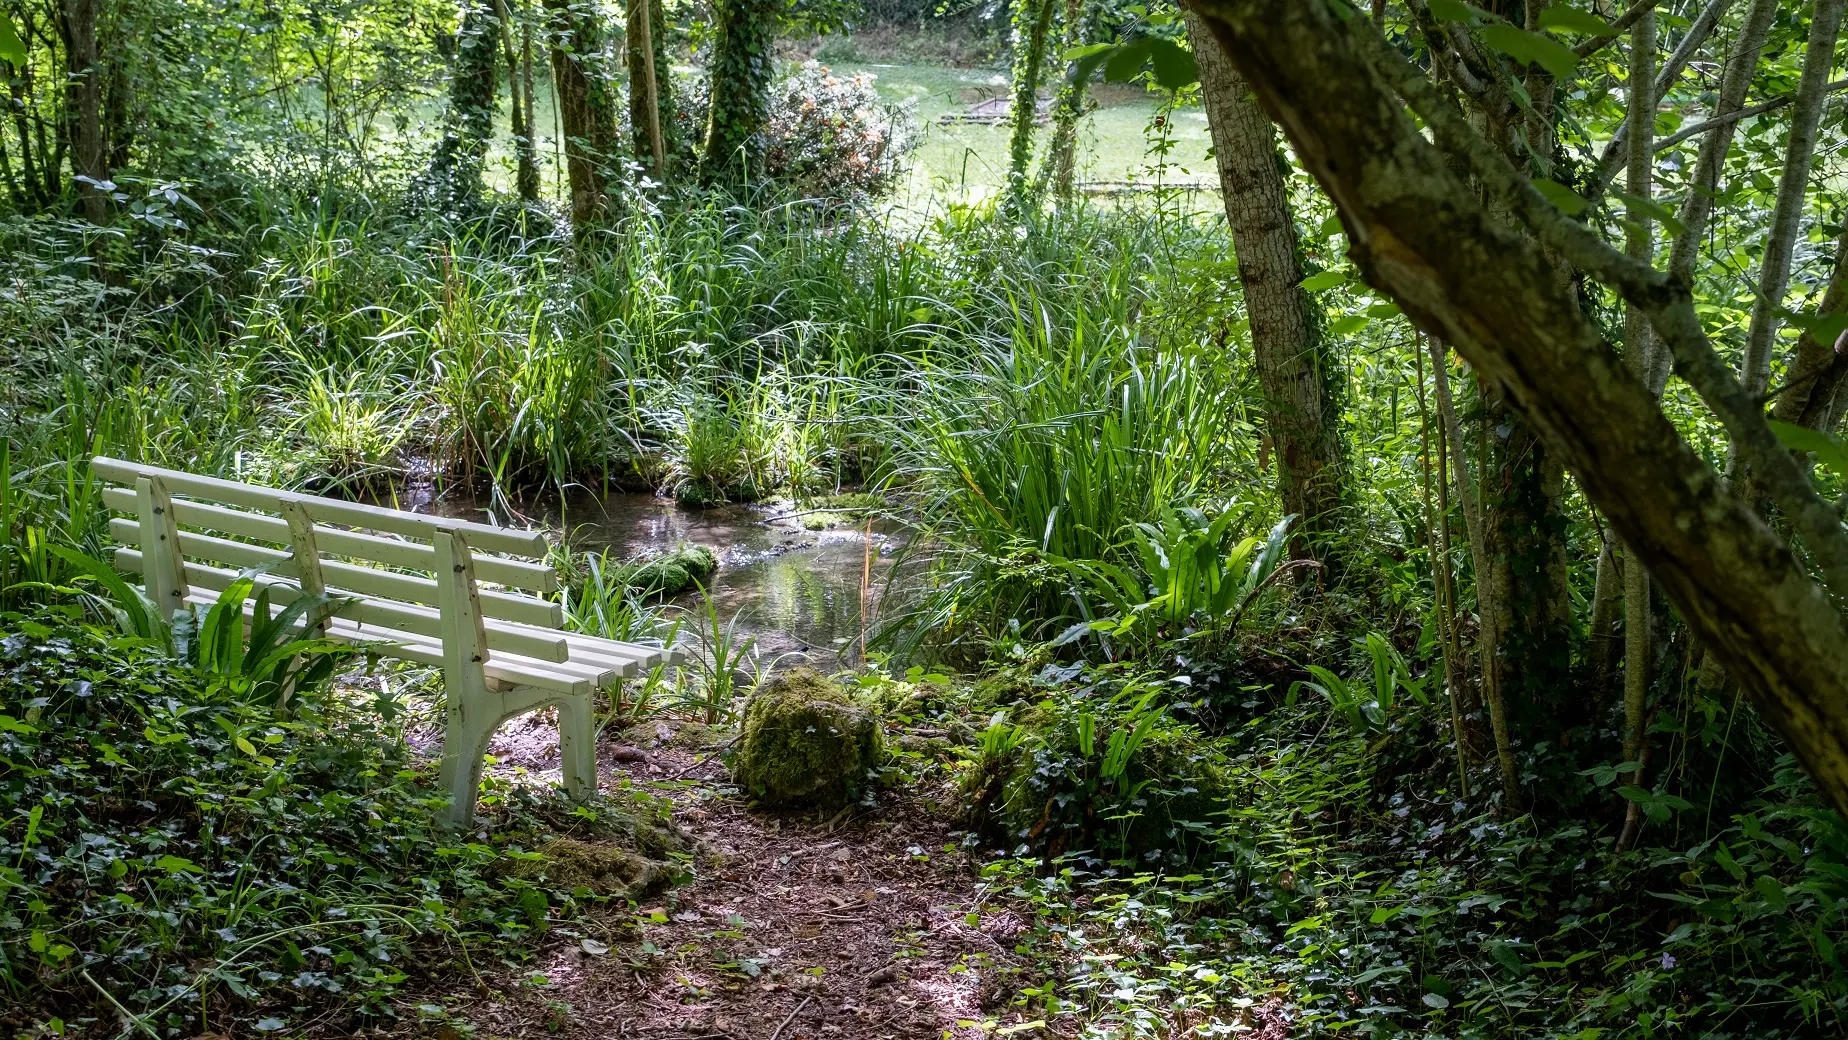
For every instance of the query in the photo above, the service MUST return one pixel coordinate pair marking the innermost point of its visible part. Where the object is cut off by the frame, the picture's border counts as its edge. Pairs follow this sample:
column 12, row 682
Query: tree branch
column 1627, row 19
column 1419, row 232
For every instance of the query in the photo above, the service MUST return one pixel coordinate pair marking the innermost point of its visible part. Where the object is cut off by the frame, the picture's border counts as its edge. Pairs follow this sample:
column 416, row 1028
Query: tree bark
column 644, row 88
column 1294, row 362
column 576, row 37
column 526, row 171
column 1734, row 79
column 1816, row 374
column 84, row 108
column 1420, row 233
column 1787, row 215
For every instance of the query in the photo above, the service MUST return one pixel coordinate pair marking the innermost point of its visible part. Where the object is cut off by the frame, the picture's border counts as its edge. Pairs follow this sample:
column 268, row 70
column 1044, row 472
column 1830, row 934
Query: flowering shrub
column 828, row 137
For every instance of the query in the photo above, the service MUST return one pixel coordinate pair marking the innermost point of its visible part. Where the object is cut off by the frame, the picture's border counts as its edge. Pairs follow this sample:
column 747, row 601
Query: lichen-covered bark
column 1295, row 366
column 1419, row 233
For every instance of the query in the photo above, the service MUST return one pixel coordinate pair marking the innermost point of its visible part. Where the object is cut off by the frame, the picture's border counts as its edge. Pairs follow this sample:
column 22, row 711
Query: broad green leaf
column 1565, row 19
column 1436, row 1000
column 1823, row 328
column 1569, row 202
column 1174, row 65
column 1324, row 280
column 1531, row 49
column 1085, row 60
column 1653, row 210
column 1828, row 448
column 1453, row 11
column 177, row 864
column 1382, row 914
column 1126, row 61
column 12, row 48
column 1771, row 892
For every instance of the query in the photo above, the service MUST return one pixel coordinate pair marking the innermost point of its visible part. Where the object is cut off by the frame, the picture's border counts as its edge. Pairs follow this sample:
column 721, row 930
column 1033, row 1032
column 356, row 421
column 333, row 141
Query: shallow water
column 798, row 591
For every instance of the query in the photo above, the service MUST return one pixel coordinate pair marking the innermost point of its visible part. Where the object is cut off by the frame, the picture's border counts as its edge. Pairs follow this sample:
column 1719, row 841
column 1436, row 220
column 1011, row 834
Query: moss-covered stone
column 631, row 859
column 672, row 573
column 806, row 742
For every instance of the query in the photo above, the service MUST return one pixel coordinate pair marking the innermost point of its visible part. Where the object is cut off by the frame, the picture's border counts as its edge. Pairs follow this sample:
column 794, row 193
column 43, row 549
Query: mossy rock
column 806, row 742
column 1045, row 793
column 627, row 855
column 672, row 573
column 829, row 511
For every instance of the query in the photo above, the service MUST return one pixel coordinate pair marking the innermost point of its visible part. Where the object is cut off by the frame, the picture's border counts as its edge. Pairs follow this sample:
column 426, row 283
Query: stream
column 797, row 591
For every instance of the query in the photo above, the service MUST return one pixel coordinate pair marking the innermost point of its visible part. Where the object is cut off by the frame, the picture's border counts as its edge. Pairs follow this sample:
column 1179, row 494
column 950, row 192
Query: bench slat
column 346, row 577
column 536, row 577
column 538, row 644
column 326, row 510
column 408, row 646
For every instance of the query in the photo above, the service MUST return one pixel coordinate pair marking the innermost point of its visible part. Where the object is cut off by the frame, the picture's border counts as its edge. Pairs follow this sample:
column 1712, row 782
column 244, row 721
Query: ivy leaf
column 177, row 864
column 1828, row 448
column 1565, row 19
column 1531, row 49
column 1569, row 202
column 12, row 48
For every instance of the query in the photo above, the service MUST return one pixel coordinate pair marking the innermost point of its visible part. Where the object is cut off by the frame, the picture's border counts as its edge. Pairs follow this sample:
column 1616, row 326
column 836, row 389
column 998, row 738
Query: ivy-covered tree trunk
column 1061, row 166
column 1032, row 30
column 1295, row 365
column 585, row 114
column 742, row 68
column 469, row 126
column 526, row 175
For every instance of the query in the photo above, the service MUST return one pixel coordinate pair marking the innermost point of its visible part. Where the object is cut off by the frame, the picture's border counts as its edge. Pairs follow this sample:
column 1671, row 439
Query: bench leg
column 577, row 746
column 465, row 741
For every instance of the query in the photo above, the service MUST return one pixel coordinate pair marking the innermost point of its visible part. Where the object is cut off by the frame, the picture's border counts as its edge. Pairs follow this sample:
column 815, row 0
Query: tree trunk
column 1032, row 30
column 576, row 37
column 1295, row 365
column 742, row 70
column 526, row 175
column 84, row 107
column 1420, row 233
column 1060, row 170
column 1819, row 368
column 644, row 88
column 468, row 128
column 1787, row 216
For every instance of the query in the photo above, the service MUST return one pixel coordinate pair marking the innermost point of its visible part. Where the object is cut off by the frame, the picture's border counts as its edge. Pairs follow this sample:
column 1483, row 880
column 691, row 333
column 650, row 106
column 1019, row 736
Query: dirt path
column 793, row 928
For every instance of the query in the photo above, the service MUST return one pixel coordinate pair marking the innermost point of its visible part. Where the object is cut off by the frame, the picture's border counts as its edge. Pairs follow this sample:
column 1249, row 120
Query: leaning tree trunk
column 584, row 113
column 468, row 128
column 645, row 117
column 84, row 107
column 1295, row 365
column 1421, row 233
column 526, row 176
column 741, row 74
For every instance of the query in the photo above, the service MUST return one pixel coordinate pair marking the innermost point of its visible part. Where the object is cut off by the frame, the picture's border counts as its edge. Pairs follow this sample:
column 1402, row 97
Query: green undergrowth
column 173, row 852
column 1347, row 892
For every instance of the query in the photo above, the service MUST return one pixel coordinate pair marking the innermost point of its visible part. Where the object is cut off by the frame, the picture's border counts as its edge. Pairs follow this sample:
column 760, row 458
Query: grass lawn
column 966, row 161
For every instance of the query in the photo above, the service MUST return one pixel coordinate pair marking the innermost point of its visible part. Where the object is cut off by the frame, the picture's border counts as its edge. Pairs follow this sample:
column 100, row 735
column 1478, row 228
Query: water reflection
column 798, row 591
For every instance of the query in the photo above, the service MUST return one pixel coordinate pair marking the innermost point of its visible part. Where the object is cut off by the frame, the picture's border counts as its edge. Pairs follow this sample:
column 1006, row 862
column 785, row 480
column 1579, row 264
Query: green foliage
column 741, row 70
column 806, row 742
column 1367, row 707
column 1096, row 766
column 168, row 839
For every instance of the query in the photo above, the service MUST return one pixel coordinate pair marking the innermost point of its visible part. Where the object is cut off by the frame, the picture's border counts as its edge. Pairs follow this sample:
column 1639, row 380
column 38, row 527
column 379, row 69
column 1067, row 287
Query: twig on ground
column 792, row 1016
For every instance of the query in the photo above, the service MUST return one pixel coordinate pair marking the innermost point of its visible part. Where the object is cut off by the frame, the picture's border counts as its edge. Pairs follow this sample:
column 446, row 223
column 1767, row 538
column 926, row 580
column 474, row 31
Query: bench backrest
column 190, row 532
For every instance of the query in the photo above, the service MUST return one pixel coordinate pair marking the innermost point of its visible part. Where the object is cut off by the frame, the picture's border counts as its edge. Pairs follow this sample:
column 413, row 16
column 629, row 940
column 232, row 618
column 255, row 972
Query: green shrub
column 1111, row 775
column 199, row 856
column 806, row 741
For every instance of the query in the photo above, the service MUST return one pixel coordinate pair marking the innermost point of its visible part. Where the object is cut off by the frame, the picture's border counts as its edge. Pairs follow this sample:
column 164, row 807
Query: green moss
column 633, row 859
column 826, row 511
column 806, row 742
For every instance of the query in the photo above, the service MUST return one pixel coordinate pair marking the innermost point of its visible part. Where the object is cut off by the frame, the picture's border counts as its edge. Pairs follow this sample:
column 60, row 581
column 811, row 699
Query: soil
column 793, row 927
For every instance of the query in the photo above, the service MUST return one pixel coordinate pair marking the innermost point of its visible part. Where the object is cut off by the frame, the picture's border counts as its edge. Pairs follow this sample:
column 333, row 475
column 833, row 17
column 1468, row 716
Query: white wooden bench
column 433, row 590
